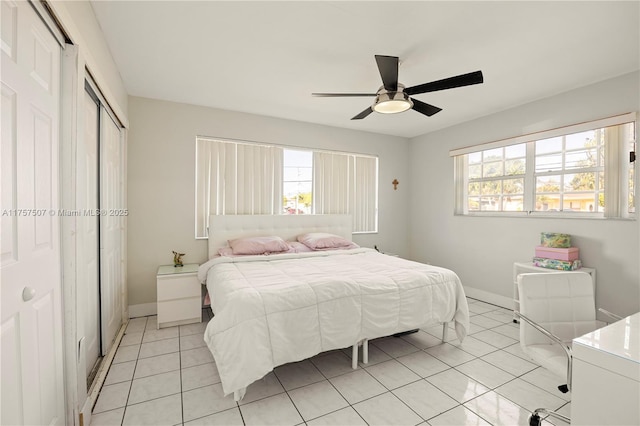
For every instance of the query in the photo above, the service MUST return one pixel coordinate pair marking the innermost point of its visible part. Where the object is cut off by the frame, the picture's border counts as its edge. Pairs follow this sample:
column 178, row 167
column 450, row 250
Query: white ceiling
column 268, row 57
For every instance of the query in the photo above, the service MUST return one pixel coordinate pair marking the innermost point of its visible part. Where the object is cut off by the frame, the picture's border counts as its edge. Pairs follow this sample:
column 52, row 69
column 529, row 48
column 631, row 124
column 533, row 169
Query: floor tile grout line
column 159, row 340
column 543, row 389
column 126, row 404
column 460, row 405
column 218, row 412
column 418, row 374
column 494, row 389
column 152, row 399
column 489, row 387
column 504, row 396
column 453, row 396
column 387, row 390
column 133, row 378
column 180, row 374
column 288, row 396
column 477, row 414
column 339, row 393
column 480, row 358
column 405, row 403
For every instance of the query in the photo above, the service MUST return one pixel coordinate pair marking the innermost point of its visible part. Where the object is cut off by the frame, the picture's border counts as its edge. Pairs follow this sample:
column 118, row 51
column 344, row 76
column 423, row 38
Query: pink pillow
column 226, row 251
column 296, row 247
column 325, row 241
column 258, row 245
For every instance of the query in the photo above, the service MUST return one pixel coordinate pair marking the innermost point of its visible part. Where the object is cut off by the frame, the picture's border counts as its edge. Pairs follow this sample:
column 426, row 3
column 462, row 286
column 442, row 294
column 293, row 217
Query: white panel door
column 88, row 257
column 111, row 200
column 31, row 316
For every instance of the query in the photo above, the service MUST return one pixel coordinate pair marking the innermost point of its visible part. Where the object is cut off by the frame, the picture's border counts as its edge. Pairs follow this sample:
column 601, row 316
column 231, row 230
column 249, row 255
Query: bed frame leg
column 354, row 356
column 445, row 331
column 365, row 353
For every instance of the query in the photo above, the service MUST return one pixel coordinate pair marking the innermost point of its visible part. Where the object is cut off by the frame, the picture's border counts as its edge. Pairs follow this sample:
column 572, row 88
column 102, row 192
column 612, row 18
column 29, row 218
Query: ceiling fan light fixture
column 393, row 97
column 392, row 102
column 392, row 106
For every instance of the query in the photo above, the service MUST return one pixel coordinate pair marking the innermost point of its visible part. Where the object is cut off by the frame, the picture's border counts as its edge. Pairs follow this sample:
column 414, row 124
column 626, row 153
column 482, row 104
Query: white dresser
column 179, row 295
column 529, row 267
column 606, row 375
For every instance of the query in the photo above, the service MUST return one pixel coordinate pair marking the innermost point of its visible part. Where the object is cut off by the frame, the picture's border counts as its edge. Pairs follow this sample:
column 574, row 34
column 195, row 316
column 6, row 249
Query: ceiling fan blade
column 388, row 67
column 342, row 95
column 447, row 83
column 425, row 108
column 363, row 114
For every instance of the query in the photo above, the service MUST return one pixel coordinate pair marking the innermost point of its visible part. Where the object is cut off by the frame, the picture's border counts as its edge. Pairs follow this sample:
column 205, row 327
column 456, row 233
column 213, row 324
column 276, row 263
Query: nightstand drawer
column 178, row 287
column 179, row 295
column 179, row 310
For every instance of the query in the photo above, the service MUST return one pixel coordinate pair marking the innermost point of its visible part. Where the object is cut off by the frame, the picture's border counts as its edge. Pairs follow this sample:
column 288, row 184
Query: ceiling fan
column 392, row 97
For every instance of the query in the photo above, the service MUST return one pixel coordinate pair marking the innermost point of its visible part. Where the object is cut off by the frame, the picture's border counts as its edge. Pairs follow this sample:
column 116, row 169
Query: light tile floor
column 169, row 377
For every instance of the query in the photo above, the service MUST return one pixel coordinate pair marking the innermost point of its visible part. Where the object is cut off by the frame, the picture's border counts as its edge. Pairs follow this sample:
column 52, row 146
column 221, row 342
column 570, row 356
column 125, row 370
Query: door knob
column 28, row 293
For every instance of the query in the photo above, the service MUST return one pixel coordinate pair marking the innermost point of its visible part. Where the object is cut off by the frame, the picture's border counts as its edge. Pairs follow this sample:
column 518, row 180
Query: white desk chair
column 556, row 308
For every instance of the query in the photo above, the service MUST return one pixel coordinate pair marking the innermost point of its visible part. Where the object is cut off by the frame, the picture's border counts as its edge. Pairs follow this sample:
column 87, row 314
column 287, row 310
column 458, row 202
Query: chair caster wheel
column 534, row 420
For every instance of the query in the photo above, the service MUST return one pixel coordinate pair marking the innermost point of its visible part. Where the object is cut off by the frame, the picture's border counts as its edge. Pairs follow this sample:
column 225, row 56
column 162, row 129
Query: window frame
column 616, row 184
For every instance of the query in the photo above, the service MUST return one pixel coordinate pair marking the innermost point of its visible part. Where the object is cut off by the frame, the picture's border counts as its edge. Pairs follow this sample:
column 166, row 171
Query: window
column 297, row 182
column 569, row 172
column 235, row 177
column 583, row 170
column 496, row 179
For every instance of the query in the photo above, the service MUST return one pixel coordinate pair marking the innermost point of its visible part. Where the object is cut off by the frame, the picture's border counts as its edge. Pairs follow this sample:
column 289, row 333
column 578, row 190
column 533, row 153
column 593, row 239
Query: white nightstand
column 179, row 295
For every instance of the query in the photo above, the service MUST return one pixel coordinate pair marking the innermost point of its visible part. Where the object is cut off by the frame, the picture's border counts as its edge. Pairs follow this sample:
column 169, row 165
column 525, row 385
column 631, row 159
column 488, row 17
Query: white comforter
column 271, row 310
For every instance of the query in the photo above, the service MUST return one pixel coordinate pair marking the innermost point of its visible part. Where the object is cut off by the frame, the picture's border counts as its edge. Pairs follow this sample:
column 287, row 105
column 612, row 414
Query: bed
column 274, row 309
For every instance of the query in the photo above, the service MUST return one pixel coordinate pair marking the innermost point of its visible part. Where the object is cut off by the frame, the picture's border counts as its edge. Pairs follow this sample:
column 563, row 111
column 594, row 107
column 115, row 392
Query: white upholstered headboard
column 228, row 227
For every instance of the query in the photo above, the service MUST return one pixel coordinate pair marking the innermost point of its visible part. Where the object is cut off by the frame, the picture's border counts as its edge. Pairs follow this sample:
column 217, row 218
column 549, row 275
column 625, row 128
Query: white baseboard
column 485, row 296
column 143, row 310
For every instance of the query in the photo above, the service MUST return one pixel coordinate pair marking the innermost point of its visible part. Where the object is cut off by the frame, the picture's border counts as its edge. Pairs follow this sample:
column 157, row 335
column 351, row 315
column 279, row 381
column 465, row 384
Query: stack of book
column 555, row 252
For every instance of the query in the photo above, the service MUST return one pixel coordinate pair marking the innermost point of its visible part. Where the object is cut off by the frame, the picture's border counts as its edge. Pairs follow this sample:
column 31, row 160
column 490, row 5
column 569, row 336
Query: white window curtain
column 346, row 184
column 365, row 217
column 235, row 178
column 332, row 178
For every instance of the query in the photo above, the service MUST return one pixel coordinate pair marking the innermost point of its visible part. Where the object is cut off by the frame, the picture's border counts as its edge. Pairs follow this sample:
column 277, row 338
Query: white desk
column 606, row 375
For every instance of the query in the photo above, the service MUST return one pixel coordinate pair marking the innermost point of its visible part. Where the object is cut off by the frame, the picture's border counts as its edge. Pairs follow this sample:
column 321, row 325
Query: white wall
column 482, row 249
column 161, row 180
